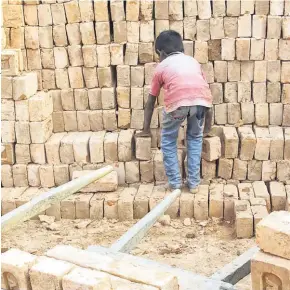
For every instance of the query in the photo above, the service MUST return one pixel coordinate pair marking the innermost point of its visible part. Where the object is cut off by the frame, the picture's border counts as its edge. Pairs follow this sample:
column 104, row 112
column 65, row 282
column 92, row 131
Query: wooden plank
column 186, row 279
column 136, row 233
column 236, row 270
column 45, row 200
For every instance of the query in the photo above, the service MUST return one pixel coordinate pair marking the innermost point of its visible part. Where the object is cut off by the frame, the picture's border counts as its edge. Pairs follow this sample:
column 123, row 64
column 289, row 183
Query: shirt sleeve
column 156, row 83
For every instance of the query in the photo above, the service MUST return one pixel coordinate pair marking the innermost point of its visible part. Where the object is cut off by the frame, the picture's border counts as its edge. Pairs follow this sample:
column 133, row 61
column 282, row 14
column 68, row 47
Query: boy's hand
column 143, row 134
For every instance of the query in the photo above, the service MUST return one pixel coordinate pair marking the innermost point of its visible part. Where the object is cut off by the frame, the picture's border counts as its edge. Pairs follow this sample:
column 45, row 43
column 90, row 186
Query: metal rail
column 45, row 200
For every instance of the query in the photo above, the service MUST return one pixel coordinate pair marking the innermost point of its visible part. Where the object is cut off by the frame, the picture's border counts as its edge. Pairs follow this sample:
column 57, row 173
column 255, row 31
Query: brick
column 15, row 267
column 141, row 201
column 81, row 146
column 254, row 170
column 66, row 152
column 76, row 77
column 44, row 15
column 259, row 26
column 230, row 194
column 201, row 211
column 285, row 72
column 46, row 176
column 221, row 114
column 245, row 26
column 7, row 110
column 225, row 168
column 73, row 33
column 260, row 73
column 41, row 131
column 259, row 212
column 156, row 196
column 33, row 175
column 216, row 201
column 125, row 145
column 208, row 169
column 97, row 147
column 24, row 86
column 202, row 30
column 47, row 59
column 243, row 48
column 277, row 143
column 58, row 13
column 240, row 169
column 31, row 37
column 70, row 120
column 111, row 205
column 37, row 153
column 230, row 142
column 262, row 114
column 109, row 120
column 8, row 131
column 132, row 171
column 271, row 49
column 287, row 144
column 7, row 178
column 232, row 9
column 81, row 99
column 201, row 51
column 146, row 171
column 105, row 77
column 257, row 49
column 244, row 92
column 269, row 170
column 68, row 208
column 263, row 144
column 97, row 206
column 248, row 114
column 234, row 113
column 40, row 107
column 22, row 154
column 60, row 57
column 228, row 48
column 234, row 71
column 110, row 147
column 211, row 148
column 278, row 195
column 286, row 116
column 274, row 25
column 59, row 34
column 248, row 143
column 48, row 272
column 143, row 148
column 247, row 71
column 244, row 223
column 283, row 170
column 125, row 204
column 13, row 15
column 220, row 71
column 137, row 119
column 6, row 87
column 7, row 153
column 61, row 174
column 30, row 14
column 217, row 28
column 285, row 94
column 274, row 92
column 145, row 52
column 159, row 171
column 276, row 265
column 231, row 27
column 285, row 27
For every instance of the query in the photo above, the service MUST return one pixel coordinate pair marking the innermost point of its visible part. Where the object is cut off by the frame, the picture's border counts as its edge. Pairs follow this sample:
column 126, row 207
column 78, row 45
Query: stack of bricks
column 96, row 59
column 270, row 267
column 246, row 204
column 65, row 267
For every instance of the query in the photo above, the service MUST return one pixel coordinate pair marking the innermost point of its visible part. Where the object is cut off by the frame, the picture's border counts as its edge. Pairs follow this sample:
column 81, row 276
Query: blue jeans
column 170, row 127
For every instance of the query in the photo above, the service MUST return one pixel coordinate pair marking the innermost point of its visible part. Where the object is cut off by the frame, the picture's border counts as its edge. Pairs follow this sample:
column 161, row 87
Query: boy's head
column 167, row 42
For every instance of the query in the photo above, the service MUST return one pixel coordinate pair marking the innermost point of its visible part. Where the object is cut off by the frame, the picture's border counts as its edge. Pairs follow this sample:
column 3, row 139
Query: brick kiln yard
column 193, row 247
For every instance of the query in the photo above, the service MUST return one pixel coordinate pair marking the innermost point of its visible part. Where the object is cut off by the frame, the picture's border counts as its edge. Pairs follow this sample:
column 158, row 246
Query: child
column 186, row 96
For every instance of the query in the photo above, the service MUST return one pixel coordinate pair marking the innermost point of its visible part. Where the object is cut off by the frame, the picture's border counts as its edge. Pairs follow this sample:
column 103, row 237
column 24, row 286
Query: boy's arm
column 148, row 112
column 207, row 122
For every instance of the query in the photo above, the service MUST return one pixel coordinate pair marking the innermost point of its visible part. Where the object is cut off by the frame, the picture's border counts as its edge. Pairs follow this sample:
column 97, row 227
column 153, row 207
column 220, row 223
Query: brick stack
column 97, row 58
column 270, row 267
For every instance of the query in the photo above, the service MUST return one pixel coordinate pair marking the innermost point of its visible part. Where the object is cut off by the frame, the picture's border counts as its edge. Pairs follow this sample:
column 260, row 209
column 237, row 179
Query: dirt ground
column 202, row 247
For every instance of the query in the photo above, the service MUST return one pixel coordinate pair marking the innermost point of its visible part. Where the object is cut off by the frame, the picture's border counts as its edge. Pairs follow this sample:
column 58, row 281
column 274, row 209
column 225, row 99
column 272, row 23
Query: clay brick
column 230, row 194
column 208, row 169
column 248, row 143
column 216, row 201
column 208, row 71
column 145, row 52
column 225, row 168
column 146, row 171
column 97, row 147
column 40, row 107
column 59, row 34
column 143, row 148
column 159, row 171
column 46, row 176
column 70, row 120
column 7, row 179
column 111, row 205
column 259, row 26
column 41, row 131
column 22, row 154
column 244, row 223
column 269, row 170
column 125, row 204
column 221, row 114
column 287, row 144
column 133, row 31
column 211, row 148
column 202, row 30
column 141, row 201
column 274, row 93
column 285, row 27
column 248, row 115
column 15, row 267
column 201, row 51
column 132, row 171
column 228, row 46
column 220, row 71
column 243, row 48
column 48, row 272
column 37, row 153
column 263, row 144
column 244, row 92
column 110, row 147
column 217, row 28
column 278, row 195
column 105, row 77
column 286, row 116
column 244, row 25
column 137, row 119
column 68, row 208
column 234, row 113
column 156, row 196
column 278, row 267
column 81, row 146
column 201, row 211
column 97, row 206
column 33, row 175
column 109, row 120
column 283, row 170
column 231, row 27
column 82, row 203
column 254, row 170
column 7, row 153
column 262, row 114
column 247, row 71
column 125, row 145
column 277, row 143
column 44, row 15
column 234, row 71
column 230, row 142
column 61, row 174
column 240, row 169
column 24, row 86
column 285, row 72
column 30, row 14
column 46, row 37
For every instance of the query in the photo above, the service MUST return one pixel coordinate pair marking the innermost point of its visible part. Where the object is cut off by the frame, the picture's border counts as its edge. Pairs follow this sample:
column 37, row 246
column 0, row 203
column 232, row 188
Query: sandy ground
column 202, row 247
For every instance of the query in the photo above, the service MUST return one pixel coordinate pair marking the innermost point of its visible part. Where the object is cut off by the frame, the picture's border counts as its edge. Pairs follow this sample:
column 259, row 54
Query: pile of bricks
column 270, row 267
column 67, row 268
column 245, row 203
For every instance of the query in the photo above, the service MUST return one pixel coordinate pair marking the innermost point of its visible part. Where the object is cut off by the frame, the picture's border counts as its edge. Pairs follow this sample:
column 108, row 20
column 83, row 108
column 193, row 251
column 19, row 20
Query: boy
column 186, row 96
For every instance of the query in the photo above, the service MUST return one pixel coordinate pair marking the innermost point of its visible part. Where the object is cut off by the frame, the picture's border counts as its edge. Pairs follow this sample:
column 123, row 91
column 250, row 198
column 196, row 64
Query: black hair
column 169, row 41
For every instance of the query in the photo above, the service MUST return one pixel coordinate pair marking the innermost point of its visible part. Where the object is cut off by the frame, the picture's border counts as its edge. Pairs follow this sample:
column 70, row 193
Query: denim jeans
column 170, row 127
